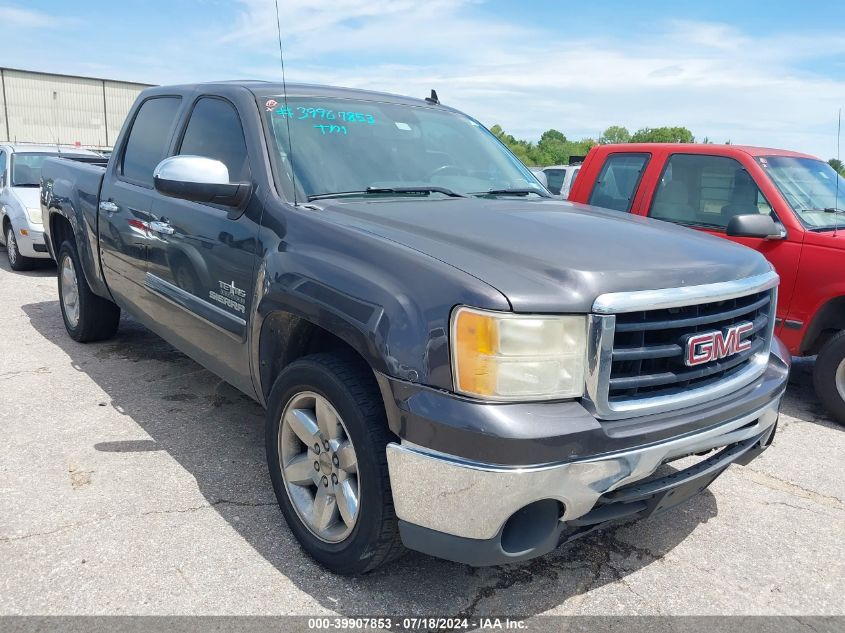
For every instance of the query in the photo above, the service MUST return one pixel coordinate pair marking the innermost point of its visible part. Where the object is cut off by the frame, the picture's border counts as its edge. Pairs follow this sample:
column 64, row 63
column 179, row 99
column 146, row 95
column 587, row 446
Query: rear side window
column 555, row 178
column 706, row 191
column 2, row 167
column 618, row 181
column 215, row 131
column 149, row 139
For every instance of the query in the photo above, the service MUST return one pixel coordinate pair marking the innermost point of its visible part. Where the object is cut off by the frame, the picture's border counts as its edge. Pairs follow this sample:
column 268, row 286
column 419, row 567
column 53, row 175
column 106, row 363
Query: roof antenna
column 433, row 98
column 285, row 99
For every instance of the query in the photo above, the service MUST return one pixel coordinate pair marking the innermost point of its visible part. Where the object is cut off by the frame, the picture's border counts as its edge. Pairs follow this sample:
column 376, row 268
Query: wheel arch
column 829, row 320
column 285, row 337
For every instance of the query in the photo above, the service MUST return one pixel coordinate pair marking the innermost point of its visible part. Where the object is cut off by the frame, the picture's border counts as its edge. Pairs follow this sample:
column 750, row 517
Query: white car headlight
column 34, row 215
column 509, row 357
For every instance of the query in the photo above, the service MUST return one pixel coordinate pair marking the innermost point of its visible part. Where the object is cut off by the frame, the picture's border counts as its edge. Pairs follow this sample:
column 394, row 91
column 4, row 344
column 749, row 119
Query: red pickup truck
column 786, row 205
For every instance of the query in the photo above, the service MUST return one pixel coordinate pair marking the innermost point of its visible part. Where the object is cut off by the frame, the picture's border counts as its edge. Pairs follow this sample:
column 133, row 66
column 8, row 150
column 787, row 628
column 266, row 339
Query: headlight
column 34, row 215
column 506, row 356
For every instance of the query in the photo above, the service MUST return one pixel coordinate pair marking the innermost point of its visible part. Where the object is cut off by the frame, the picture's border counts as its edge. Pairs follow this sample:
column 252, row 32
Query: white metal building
column 46, row 108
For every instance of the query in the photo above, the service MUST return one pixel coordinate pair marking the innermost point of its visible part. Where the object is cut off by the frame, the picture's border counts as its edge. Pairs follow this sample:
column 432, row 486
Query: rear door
column 127, row 194
column 201, row 256
column 705, row 191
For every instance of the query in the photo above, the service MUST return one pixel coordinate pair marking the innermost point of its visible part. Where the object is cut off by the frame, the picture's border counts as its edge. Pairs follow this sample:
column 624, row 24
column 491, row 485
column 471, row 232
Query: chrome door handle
column 107, row 206
column 162, row 226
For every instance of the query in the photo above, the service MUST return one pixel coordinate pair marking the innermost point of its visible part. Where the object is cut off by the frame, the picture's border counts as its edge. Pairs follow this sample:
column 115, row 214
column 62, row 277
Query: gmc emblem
column 709, row 346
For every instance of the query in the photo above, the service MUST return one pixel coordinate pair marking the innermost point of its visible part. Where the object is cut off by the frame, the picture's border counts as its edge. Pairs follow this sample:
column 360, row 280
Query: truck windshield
column 810, row 187
column 26, row 166
column 346, row 148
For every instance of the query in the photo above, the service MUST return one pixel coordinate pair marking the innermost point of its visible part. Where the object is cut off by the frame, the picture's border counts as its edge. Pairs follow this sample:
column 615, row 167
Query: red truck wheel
column 829, row 376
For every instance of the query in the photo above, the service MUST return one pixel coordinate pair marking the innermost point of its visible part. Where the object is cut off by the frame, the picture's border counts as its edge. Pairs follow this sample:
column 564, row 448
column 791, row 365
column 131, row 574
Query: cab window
column 215, row 131
column 706, row 191
column 618, row 181
column 149, row 139
column 555, row 177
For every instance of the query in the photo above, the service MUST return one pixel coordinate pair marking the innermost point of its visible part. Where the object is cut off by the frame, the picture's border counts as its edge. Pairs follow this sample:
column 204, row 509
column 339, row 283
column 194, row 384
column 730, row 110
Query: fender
column 389, row 302
column 828, row 316
column 76, row 203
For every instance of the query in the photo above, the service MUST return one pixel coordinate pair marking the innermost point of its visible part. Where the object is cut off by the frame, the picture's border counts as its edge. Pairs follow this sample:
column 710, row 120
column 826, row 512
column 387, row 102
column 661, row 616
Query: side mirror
column 755, row 225
column 198, row 179
column 541, row 176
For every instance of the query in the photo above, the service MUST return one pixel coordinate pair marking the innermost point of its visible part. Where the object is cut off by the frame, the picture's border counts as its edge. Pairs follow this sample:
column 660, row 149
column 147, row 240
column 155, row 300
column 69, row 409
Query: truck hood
column 549, row 255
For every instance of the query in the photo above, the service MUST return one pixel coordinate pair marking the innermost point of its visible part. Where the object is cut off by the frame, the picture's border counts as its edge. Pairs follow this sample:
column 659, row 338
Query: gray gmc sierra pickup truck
column 449, row 359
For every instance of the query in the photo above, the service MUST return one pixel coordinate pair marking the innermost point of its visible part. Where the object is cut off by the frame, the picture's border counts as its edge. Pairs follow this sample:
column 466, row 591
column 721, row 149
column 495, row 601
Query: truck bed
column 72, row 187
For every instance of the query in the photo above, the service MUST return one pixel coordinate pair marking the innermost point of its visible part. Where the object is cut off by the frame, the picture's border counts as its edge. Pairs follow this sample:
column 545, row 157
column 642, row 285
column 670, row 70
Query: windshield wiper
column 516, row 191
column 26, row 184
column 425, row 189
column 825, row 209
column 421, row 190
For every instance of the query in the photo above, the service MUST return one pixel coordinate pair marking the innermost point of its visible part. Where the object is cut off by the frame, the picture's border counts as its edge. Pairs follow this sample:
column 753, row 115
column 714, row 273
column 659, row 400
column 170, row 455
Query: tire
column 17, row 261
column 87, row 316
column 347, row 384
column 829, row 376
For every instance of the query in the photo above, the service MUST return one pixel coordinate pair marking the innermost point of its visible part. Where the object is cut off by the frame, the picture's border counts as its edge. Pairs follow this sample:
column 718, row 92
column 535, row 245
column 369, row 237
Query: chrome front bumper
column 474, row 500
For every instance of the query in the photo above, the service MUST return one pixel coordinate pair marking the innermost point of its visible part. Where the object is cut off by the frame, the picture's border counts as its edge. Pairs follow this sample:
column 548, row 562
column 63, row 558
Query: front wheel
column 829, row 376
column 87, row 317
column 16, row 260
column 326, row 439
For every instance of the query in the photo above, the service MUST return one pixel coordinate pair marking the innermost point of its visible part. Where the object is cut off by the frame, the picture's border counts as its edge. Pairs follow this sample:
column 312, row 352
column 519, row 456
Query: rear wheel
column 829, row 376
column 87, row 316
column 16, row 260
column 326, row 439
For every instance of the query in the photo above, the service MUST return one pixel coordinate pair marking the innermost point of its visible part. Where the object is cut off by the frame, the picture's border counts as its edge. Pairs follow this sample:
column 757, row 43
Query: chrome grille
column 637, row 346
column 648, row 346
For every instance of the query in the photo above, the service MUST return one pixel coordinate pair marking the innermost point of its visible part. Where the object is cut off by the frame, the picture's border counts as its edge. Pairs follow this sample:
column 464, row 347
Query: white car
column 20, row 205
column 561, row 178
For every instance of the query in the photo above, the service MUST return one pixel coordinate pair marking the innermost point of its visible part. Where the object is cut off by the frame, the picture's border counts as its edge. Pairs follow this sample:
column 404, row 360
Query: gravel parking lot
column 132, row 481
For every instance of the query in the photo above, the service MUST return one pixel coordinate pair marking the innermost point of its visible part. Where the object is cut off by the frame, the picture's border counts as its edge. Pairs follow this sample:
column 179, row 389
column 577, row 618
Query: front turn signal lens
column 510, row 357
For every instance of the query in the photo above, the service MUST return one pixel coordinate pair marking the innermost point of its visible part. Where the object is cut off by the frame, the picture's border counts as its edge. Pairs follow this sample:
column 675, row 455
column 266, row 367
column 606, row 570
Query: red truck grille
column 651, row 348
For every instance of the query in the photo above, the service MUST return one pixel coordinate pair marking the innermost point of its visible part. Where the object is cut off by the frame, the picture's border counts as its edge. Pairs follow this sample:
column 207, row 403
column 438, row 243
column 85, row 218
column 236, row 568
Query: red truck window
column 618, row 181
column 706, row 191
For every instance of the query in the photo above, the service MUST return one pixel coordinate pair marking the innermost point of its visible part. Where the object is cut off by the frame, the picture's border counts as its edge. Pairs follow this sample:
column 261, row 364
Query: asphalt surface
column 132, row 481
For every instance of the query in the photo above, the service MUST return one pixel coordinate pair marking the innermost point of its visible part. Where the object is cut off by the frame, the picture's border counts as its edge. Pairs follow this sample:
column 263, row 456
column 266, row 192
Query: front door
column 706, row 191
column 126, row 198
column 201, row 256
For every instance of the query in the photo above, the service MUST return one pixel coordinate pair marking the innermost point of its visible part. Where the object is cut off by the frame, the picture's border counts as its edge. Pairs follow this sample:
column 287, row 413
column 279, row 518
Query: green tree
column 663, row 135
column 615, row 134
column 553, row 148
column 838, row 165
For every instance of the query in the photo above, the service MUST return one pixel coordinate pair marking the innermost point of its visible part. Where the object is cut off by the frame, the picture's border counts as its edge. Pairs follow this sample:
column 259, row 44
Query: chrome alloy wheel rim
column 11, row 246
column 70, row 292
column 319, row 467
column 840, row 379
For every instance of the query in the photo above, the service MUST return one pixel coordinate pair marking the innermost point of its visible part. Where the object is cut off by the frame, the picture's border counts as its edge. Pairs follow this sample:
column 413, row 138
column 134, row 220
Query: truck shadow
column 804, row 404
column 41, row 267
column 216, row 434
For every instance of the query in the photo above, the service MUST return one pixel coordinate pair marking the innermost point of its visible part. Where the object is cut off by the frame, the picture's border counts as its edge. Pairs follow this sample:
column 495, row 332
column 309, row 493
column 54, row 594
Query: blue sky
column 765, row 73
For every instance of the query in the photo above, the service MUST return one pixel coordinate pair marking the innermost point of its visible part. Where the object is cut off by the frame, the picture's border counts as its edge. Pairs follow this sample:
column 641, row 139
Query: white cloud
column 713, row 78
column 14, row 16
column 768, row 88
